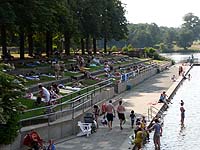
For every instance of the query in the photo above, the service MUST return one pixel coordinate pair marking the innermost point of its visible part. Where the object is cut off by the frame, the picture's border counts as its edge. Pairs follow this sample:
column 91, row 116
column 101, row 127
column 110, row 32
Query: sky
column 162, row 12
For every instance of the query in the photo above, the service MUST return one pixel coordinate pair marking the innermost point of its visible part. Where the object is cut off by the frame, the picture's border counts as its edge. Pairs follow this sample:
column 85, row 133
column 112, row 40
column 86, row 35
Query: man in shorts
column 121, row 113
column 110, row 110
column 157, row 134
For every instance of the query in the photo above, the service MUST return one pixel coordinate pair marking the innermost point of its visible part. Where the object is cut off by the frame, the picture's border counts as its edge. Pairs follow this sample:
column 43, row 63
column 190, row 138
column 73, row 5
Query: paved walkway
column 138, row 99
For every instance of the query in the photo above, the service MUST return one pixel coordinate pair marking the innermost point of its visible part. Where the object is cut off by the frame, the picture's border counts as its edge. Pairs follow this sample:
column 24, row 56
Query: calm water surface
column 180, row 57
column 174, row 136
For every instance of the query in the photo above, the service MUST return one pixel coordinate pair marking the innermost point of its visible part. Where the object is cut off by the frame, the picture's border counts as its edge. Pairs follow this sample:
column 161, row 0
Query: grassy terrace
column 72, row 74
column 30, row 104
column 86, row 82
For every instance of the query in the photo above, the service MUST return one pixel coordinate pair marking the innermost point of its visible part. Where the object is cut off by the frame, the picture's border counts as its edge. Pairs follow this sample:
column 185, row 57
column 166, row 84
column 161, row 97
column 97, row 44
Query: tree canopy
column 68, row 19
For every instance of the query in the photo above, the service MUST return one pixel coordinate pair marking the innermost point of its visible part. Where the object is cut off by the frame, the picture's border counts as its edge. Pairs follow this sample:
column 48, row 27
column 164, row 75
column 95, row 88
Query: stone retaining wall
column 121, row 87
column 63, row 127
column 67, row 126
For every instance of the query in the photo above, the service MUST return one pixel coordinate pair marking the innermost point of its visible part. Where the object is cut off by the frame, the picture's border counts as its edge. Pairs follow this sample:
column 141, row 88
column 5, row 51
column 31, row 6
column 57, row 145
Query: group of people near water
column 109, row 113
column 139, row 124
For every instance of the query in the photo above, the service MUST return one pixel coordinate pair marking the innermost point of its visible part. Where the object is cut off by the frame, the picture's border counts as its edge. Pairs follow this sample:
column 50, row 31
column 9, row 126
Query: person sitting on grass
column 44, row 93
column 55, row 88
column 53, row 94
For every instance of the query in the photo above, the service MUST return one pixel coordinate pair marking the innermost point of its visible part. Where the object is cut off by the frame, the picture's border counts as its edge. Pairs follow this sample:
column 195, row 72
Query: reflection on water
column 174, row 136
column 180, row 57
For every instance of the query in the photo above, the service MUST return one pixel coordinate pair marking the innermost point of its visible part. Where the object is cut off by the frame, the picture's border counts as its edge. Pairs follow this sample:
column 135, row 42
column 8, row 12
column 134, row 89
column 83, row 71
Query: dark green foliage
column 10, row 89
column 152, row 53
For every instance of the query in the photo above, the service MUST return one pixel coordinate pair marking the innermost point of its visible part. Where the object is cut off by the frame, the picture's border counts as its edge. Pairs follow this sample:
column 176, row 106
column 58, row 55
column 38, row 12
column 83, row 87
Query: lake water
column 181, row 57
column 174, row 136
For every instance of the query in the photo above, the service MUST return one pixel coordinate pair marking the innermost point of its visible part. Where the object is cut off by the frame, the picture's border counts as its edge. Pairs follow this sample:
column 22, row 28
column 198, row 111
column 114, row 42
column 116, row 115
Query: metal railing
column 133, row 74
column 69, row 103
column 153, row 112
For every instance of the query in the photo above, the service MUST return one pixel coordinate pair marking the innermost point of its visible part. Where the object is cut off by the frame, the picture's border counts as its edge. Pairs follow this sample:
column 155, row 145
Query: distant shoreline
column 181, row 51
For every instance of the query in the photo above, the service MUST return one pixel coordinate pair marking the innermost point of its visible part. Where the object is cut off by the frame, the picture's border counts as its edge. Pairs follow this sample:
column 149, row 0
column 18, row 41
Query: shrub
column 10, row 89
column 114, row 49
column 125, row 49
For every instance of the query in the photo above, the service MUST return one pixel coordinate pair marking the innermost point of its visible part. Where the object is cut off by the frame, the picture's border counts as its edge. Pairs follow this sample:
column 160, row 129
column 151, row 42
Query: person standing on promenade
column 182, row 113
column 157, row 134
column 121, row 115
column 110, row 110
column 96, row 112
column 57, row 70
column 132, row 116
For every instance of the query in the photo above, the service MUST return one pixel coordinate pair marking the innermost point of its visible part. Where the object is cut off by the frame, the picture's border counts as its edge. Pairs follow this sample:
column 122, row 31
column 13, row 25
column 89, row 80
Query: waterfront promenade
column 139, row 99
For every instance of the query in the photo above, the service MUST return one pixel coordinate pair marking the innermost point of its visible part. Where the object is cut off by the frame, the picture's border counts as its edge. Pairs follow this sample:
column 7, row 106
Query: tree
column 192, row 23
column 185, row 38
column 144, row 35
column 10, row 89
column 68, row 22
column 114, row 23
column 168, row 36
column 7, row 18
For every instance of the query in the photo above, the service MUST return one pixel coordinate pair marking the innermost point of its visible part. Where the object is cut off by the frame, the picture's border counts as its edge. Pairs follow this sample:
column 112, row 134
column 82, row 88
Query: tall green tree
column 192, row 23
column 7, row 18
column 185, row 38
column 114, row 23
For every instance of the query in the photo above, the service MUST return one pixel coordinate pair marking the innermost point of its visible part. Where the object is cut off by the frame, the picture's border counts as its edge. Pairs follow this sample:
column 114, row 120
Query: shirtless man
column 121, row 115
column 110, row 110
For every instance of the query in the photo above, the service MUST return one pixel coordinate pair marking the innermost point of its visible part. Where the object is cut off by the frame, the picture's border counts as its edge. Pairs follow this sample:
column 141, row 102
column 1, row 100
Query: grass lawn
column 69, row 74
column 87, row 82
column 42, row 79
column 30, row 104
column 95, row 68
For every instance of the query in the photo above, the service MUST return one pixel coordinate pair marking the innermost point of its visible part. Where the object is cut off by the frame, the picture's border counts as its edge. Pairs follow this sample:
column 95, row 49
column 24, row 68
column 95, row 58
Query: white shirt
column 46, row 94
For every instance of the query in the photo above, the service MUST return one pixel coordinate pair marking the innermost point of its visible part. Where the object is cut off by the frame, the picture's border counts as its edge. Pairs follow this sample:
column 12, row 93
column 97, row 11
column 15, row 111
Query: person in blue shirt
column 51, row 145
column 157, row 134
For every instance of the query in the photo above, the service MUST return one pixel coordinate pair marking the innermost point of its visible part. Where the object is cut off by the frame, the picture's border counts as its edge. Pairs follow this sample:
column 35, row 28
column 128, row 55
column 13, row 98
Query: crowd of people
column 141, row 132
column 138, row 123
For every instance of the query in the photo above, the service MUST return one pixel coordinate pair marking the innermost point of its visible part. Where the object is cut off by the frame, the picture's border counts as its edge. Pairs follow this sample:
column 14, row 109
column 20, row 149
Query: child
column 132, row 116
column 173, row 78
column 51, row 145
column 104, row 121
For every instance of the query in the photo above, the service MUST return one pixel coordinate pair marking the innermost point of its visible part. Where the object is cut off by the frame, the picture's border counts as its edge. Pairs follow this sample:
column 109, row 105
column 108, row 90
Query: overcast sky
column 162, row 12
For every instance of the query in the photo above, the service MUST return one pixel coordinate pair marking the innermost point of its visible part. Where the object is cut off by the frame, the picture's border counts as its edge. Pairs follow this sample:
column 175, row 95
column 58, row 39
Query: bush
column 114, row 49
column 125, row 49
column 11, row 88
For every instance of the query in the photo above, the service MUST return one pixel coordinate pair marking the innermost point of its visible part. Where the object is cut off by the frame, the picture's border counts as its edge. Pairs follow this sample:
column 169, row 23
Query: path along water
column 174, row 136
